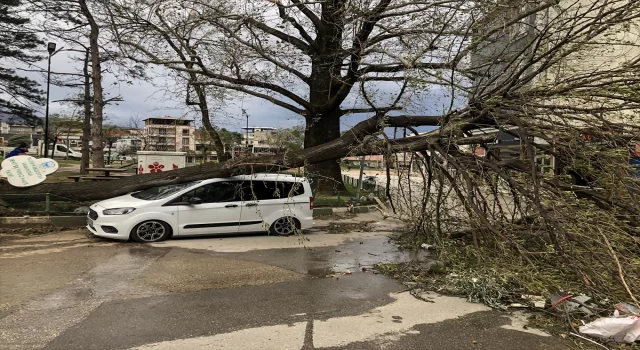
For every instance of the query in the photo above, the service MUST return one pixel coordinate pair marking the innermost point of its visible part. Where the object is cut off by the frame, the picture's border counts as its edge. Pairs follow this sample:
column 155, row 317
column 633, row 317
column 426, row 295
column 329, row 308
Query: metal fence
column 40, row 204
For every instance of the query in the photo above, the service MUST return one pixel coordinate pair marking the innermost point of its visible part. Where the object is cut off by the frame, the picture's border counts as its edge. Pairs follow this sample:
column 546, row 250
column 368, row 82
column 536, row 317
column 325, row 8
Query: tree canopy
column 18, row 94
column 17, row 140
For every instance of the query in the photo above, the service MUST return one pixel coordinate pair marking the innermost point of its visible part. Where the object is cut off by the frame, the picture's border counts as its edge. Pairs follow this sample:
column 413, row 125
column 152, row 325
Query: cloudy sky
column 147, row 99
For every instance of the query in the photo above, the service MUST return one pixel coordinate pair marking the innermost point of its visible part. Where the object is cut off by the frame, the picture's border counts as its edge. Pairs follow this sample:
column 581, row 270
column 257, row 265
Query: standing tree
column 229, row 139
column 16, row 44
column 77, row 24
column 67, row 125
column 110, row 134
column 305, row 57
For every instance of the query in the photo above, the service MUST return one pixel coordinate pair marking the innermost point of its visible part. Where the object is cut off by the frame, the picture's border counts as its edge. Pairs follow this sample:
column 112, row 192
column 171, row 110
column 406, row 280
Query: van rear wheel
column 285, row 226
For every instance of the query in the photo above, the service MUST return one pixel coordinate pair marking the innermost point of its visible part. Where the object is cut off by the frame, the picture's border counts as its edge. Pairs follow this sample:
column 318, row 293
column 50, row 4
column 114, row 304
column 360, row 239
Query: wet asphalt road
column 68, row 291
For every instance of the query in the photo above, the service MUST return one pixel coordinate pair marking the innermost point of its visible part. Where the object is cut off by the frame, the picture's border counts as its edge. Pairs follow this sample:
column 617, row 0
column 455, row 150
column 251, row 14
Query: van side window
column 217, row 192
column 266, row 190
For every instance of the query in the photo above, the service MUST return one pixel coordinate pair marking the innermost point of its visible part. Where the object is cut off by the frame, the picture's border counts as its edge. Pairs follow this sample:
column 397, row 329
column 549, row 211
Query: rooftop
column 166, row 117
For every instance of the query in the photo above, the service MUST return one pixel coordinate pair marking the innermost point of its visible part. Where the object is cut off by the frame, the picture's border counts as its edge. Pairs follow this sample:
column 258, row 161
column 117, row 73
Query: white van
column 279, row 204
column 60, row 151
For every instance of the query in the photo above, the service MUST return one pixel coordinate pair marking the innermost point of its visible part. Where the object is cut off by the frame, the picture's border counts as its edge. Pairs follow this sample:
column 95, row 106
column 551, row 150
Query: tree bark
column 324, row 125
column 98, row 101
column 327, row 174
column 86, row 122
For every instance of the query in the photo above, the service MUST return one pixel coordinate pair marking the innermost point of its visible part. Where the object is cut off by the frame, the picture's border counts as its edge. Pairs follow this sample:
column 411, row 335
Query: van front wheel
column 285, row 226
column 150, row 231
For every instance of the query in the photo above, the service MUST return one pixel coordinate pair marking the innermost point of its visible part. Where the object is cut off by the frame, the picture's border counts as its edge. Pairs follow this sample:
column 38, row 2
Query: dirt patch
column 342, row 227
column 32, row 231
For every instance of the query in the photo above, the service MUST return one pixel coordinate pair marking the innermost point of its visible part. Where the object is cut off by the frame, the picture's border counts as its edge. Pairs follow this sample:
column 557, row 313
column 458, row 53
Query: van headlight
column 118, row 211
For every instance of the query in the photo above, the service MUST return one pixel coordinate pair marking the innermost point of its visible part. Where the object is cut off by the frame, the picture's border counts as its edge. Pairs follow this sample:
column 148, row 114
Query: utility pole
column 51, row 48
column 360, row 178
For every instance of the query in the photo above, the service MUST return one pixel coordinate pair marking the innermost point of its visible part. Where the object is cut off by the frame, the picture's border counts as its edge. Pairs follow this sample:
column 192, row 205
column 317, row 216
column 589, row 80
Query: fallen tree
column 359, row 140
column 526, row 190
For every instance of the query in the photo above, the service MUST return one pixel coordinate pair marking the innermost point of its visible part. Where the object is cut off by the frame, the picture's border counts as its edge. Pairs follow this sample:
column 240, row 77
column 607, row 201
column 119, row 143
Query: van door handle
column 231, row 206
column 252, row 205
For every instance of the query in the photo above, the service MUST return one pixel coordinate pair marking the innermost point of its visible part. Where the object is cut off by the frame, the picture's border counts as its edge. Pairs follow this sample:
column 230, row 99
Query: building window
column 185, row 131
column 162, row 140
column 544, row 164
column 162, row 131
column 185, row 148
column 185, row 141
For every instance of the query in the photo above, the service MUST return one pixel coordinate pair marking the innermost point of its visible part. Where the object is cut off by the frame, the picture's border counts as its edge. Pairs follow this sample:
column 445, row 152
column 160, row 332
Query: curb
column 356, row 210
column 80, row 221
column 26, row 221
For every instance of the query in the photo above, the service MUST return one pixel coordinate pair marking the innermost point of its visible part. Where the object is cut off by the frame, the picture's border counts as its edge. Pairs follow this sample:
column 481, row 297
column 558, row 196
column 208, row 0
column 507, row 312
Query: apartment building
column 168, row 133
column 258, row 135
column 510, row 50
column 11, row 125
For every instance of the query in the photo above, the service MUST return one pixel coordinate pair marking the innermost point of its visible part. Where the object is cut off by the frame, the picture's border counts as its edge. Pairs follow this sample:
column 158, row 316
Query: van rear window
column 265, row 190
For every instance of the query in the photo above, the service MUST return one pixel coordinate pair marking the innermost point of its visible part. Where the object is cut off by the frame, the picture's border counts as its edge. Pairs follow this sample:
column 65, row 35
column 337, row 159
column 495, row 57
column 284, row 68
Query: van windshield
column 160, row 192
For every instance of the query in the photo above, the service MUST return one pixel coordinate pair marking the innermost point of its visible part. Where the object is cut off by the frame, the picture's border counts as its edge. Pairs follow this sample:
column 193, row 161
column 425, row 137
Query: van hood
column 126, row 201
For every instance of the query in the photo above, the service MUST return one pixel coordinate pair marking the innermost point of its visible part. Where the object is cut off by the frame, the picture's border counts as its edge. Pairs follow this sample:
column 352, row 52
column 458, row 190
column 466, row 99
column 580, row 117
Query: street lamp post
column 51, row 48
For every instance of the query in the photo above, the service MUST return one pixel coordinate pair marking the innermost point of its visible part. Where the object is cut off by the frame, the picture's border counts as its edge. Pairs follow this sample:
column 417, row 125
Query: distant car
column 279, row 204
column 61, row 151
column 370, row 179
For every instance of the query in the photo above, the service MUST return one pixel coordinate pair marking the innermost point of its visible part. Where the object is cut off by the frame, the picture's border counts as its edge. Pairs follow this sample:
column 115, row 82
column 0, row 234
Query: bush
column 16, row 140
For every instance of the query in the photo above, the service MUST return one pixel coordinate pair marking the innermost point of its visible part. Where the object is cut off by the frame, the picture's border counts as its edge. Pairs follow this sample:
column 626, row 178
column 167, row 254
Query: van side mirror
column 195, row 200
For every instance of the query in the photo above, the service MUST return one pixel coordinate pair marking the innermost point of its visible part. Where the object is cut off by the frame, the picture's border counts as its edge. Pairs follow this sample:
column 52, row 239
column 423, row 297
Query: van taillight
column 310, row 203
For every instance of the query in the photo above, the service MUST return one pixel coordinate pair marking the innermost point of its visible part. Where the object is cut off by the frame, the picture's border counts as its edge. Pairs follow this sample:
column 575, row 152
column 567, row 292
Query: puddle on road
column 358, row 255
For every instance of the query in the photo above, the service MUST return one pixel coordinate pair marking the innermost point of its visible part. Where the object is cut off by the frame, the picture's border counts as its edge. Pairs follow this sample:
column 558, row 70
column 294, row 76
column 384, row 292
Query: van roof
column 262, row 177
column 283, row 177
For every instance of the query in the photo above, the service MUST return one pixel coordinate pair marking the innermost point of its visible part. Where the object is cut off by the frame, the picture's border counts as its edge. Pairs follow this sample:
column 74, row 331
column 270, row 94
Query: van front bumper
column 108, row 228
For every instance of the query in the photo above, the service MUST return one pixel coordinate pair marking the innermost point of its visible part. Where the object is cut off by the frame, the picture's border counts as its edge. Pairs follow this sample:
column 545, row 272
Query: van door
column 265, row 201
column 61, row 150
column 209, row 209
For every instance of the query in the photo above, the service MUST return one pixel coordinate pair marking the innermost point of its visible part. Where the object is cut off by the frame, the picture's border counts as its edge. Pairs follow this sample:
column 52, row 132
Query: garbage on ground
column 518, row 305
column 628, row 308
column 620, row 329
column 557, row 299
column 428, row 246
column 537, row 300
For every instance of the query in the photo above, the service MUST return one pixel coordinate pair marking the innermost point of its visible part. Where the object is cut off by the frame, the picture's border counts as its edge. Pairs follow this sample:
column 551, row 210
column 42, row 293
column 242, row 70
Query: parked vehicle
column 278, row 204
column 60, row 151
column 370, row 179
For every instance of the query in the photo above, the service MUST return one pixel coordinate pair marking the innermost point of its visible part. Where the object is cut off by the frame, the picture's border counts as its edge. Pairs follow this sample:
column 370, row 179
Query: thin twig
column 620, row 270
column 589, row 340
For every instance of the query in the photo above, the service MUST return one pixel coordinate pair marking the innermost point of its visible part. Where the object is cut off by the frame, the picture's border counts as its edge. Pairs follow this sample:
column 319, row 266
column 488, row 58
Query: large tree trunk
column 86, row 122
column 324, row 125
column 328, row 174
column 98, row 101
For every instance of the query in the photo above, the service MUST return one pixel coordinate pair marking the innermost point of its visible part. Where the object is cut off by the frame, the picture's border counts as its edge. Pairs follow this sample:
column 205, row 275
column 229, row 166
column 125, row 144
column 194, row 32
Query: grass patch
column 67, row 162
column 60, row 176
column 342, row 198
